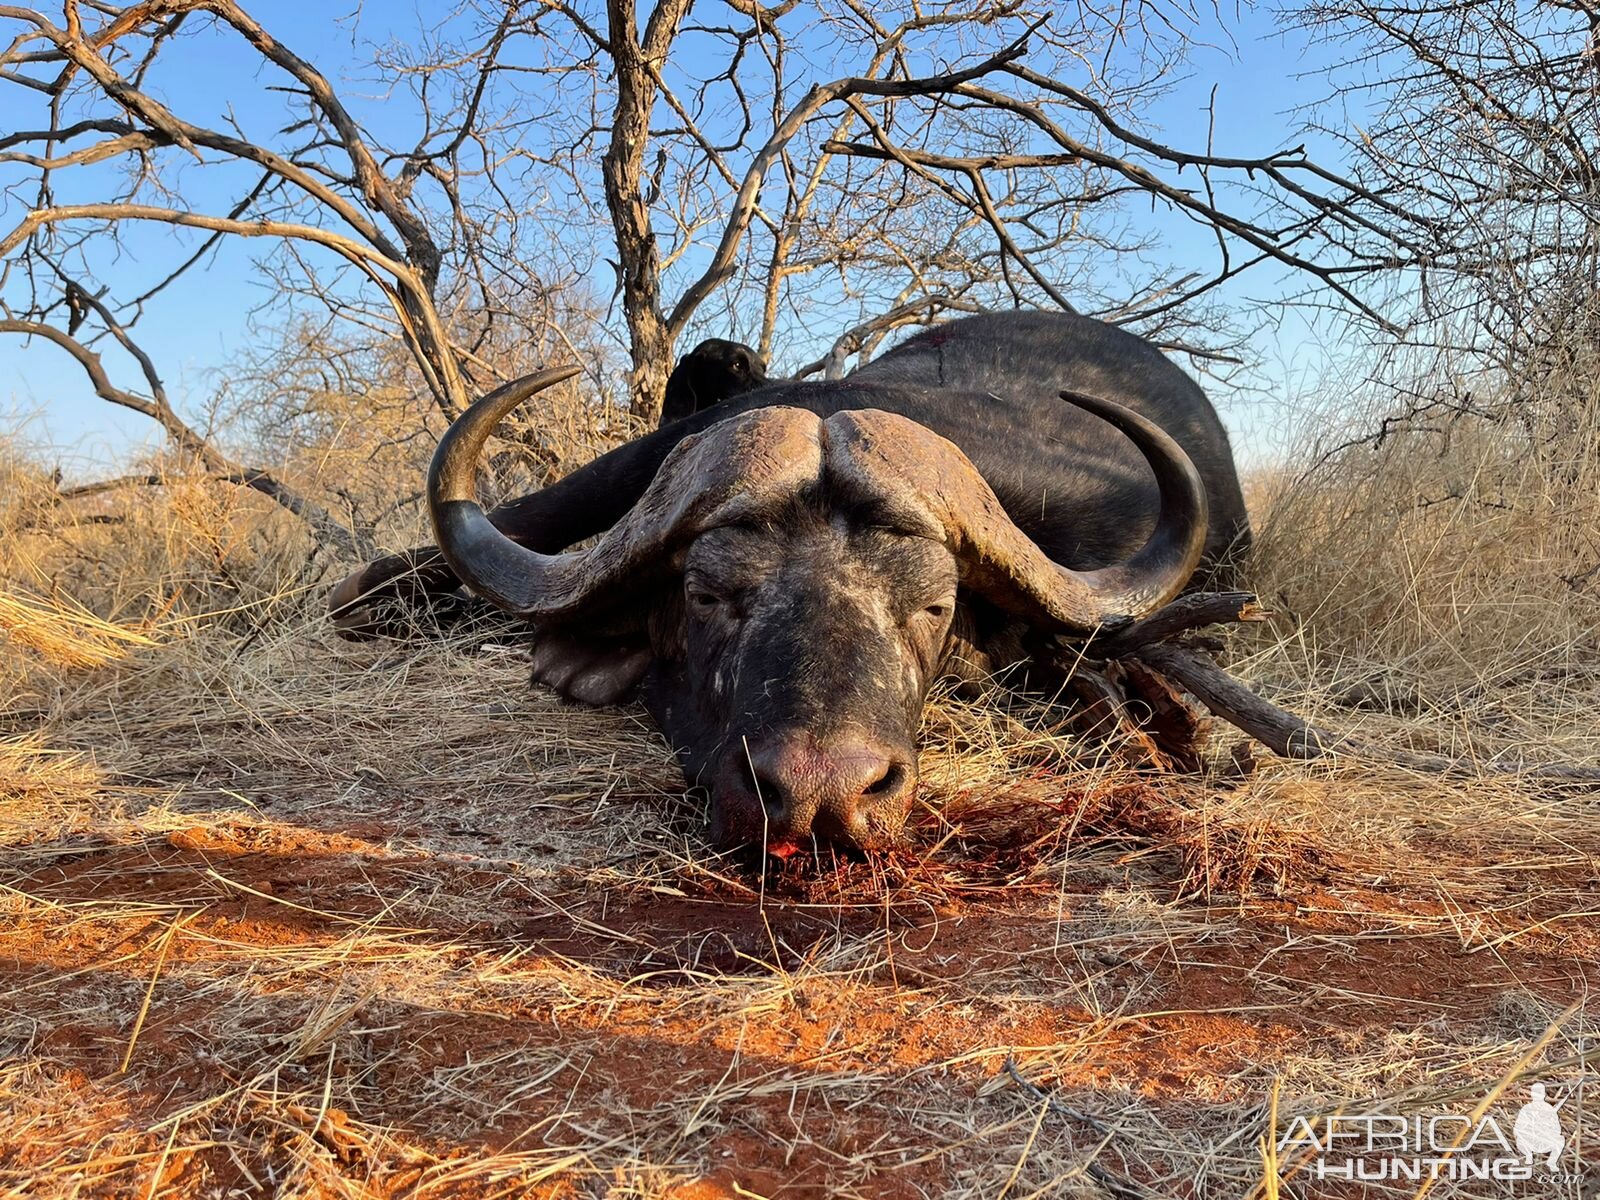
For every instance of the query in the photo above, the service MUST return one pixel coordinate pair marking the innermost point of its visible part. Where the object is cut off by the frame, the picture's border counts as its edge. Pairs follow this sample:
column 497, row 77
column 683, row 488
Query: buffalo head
column 712, row 372
column 786, row 589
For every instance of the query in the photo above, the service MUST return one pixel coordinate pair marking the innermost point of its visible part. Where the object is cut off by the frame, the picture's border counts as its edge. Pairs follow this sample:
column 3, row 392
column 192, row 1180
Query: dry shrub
column 352, row 424
column 346, row 430
column 190, row 548
column 1462, row 551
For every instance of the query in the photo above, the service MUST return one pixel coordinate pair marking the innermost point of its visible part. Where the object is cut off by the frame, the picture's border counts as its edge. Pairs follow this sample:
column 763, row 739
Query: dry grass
column 379, row 921
column 1454, row 566
column 65, row 633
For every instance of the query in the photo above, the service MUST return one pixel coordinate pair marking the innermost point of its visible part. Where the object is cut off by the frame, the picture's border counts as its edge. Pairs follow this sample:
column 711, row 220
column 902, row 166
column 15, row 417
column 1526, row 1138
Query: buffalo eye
column 930, row 616
column 705, row 603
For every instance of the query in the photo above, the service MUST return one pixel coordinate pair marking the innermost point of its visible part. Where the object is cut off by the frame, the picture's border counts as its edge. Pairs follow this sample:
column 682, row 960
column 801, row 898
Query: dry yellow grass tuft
column 65, row 633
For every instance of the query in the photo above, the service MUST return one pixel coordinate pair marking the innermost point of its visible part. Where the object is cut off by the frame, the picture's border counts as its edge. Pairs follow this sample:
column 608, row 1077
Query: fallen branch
column 101, row 486
column 1114, row 695
column 1184, row 614
column 1294, row 737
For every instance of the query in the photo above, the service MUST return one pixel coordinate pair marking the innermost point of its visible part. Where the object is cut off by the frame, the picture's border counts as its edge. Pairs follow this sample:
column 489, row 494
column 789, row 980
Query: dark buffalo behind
column 714, row 371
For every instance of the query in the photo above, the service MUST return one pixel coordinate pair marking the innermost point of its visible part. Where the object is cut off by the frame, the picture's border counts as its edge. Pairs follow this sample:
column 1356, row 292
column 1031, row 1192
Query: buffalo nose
column 852, row 790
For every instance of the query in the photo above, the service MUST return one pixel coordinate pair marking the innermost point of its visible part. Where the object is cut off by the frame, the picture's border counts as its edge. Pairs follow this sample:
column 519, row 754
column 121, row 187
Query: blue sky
column 195, row 329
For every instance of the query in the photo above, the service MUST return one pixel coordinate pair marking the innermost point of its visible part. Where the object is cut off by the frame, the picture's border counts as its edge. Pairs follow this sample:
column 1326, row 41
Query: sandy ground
column 290, row 917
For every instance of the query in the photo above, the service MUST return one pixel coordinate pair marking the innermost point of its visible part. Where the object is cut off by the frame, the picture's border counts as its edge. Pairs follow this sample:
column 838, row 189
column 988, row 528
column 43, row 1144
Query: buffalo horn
column 920, row 482
column 737, row 470
column 886, row 467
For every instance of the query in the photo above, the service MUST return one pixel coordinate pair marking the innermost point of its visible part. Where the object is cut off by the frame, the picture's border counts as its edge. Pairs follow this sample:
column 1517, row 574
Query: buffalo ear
column 666, row 623
column 590, row 670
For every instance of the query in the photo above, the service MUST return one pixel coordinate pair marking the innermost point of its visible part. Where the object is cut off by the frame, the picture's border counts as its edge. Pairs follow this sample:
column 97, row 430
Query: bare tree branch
column 158, row 409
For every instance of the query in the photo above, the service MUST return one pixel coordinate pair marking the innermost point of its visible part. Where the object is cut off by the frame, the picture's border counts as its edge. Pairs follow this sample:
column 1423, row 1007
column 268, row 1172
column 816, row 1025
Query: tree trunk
column 638, row 262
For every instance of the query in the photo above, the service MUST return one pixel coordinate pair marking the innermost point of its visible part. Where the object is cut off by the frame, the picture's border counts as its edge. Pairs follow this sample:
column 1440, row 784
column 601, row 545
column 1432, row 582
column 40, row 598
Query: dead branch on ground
column 1129, row 685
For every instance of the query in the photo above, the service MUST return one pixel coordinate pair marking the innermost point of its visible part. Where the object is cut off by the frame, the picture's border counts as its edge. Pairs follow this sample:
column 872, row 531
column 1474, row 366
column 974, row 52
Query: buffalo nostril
column 891, row 781
column 772, row 804
column 848, row 789
column 768, row 789
column 870, row 804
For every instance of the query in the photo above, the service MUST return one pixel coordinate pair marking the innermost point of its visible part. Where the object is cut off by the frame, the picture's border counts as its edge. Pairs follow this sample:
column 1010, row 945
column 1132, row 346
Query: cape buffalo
column 714, row 371
column 780, row 578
